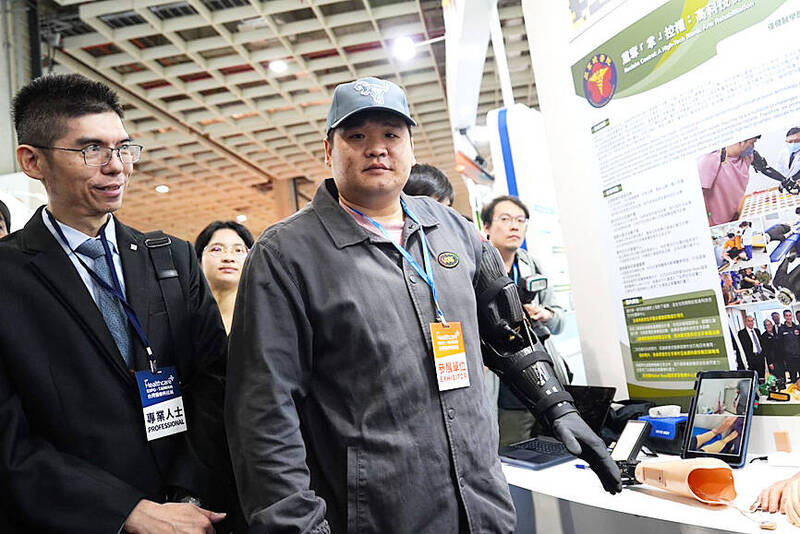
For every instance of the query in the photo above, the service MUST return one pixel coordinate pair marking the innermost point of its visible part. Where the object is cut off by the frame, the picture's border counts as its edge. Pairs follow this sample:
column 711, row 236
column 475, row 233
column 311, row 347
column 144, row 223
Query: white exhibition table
column 571, row 500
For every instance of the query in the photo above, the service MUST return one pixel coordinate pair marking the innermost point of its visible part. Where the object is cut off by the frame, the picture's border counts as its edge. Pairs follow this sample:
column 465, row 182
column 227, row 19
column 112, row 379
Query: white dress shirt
column 76, row 238
column 756, row 342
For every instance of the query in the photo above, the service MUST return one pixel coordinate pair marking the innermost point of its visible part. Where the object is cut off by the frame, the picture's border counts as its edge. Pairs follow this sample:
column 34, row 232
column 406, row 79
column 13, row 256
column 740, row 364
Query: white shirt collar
column 75, row 238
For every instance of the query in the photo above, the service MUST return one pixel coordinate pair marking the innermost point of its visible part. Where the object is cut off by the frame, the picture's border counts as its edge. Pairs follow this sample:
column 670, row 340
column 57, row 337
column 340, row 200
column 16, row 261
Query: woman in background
column 222, row 247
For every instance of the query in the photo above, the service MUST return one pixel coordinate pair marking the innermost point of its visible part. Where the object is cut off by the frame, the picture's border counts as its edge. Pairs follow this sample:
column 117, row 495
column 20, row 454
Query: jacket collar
column 344, row 230
column 35, row 237
column 52, row 263
column 58, row 273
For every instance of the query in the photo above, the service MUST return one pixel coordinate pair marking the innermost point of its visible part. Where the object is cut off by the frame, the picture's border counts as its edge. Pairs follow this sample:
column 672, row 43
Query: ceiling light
column 241, row 217
column 162, row 188
column 278, row 66
column 404, row 48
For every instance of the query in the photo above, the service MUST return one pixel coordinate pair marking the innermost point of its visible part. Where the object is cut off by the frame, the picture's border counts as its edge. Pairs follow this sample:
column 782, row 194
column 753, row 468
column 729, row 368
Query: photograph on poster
column 747, row 286
column 740, row 244
column 751, row 177
column 767, row 341
column 783, row 246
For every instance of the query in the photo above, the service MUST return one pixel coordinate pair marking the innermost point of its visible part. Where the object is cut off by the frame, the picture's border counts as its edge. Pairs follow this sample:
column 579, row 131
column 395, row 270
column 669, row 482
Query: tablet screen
column 720, row 416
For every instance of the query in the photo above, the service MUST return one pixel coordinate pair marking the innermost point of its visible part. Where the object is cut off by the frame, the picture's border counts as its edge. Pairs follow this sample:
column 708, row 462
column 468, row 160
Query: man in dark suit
column 750, row 338
column 74, row 452
column 789, row 334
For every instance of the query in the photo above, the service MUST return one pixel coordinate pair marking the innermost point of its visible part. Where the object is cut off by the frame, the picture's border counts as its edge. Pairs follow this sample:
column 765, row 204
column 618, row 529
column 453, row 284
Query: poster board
column 659, row 89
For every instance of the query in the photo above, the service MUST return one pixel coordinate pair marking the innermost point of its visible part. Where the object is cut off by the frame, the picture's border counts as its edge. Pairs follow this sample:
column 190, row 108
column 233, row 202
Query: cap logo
column 372, row 90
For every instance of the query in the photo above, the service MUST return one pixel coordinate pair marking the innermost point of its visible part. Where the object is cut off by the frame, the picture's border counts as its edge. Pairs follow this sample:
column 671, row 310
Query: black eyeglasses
column 100, row 156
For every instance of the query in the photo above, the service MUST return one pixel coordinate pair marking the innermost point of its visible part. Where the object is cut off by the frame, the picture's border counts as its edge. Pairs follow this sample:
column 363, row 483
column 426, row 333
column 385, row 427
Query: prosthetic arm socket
column 509, row 347
column 708, row 480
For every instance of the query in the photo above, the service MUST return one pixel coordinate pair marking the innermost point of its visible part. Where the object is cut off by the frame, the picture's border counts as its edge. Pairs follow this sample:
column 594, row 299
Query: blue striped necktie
column 109, row 305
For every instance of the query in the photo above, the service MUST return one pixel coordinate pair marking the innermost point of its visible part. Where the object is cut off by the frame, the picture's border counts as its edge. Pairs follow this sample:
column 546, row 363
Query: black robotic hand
column 514, row 353
column 581, row 441
column 788, row 184
column 759, row 162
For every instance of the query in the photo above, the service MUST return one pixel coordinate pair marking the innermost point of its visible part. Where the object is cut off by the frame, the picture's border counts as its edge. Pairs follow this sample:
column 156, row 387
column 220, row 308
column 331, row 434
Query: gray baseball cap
column 367, row 93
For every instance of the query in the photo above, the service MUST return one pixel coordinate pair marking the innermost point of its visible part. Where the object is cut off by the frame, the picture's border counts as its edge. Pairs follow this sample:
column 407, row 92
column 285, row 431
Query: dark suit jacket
column 747, row 342
column 73, row 451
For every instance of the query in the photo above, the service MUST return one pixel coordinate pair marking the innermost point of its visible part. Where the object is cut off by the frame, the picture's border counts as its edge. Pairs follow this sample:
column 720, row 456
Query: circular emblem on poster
column 600, row 80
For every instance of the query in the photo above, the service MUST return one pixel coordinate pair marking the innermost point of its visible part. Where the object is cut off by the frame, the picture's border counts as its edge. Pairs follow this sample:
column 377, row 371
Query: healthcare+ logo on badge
column 600, row 80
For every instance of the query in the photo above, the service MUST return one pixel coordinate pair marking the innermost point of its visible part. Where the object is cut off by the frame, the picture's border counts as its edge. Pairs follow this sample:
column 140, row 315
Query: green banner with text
column 673, row 337
column 665, row 44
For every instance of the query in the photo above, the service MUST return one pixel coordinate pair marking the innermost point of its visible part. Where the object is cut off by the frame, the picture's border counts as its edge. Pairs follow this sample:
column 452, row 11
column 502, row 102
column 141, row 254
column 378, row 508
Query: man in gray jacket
column 355, row 399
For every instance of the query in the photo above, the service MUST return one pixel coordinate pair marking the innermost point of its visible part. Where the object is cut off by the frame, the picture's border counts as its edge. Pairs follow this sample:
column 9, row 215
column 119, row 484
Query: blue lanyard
column 427, row 273
column 515, row 272
column 115, row 290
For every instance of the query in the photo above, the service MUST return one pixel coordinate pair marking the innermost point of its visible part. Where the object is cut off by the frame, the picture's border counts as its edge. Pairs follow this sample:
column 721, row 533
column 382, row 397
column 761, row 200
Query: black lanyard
column 115, row 290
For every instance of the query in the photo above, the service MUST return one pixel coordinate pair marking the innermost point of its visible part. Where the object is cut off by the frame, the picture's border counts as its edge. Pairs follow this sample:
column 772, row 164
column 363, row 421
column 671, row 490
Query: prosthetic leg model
column 512, row 351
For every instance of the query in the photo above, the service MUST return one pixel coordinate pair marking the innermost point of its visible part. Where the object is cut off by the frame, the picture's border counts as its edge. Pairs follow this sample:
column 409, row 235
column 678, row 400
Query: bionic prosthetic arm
column 516, row 356
column 788, row 183
column 510, row 348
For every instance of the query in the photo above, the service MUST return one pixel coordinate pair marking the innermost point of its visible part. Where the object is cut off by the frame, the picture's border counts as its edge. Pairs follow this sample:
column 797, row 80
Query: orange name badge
column 450, row 357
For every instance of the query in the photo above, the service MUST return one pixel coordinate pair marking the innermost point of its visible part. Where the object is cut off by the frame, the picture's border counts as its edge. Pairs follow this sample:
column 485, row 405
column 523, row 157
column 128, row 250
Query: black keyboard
column 536, row 453
column 545, row 447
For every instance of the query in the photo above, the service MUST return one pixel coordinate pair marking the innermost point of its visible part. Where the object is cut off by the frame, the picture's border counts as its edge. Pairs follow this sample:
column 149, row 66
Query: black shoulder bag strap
column 157, row 244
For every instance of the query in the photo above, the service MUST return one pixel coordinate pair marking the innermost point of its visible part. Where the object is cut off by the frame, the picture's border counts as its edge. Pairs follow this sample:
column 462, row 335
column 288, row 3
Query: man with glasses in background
column 505, row 221
column 82, row 321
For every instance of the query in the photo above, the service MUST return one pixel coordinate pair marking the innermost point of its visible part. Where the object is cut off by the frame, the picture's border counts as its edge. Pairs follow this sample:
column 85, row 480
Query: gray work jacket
column 333, row 410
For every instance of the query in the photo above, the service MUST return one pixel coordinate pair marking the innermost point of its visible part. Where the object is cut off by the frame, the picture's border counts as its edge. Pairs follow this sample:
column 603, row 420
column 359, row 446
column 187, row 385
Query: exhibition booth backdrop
column 656, row 115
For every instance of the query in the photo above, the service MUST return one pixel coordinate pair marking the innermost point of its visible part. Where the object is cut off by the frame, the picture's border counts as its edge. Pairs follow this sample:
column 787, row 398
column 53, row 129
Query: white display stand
column 570, row 500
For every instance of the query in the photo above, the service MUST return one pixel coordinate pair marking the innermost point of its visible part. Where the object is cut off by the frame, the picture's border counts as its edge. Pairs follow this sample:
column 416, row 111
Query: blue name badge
column 162, row 403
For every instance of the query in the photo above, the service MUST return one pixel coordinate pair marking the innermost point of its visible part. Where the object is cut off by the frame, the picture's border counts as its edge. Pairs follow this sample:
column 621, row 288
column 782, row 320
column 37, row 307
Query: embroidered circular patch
column 448, row 259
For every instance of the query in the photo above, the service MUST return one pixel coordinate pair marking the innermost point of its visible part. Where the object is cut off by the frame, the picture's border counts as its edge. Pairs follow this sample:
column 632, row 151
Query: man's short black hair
column 359, row 119
column 42, row 107
column 487, row 214
column 428, row 181
column 205, row 236
column 793, row 131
